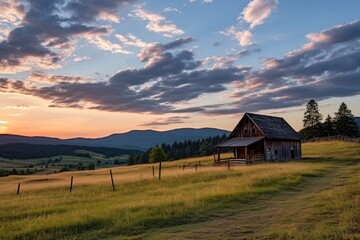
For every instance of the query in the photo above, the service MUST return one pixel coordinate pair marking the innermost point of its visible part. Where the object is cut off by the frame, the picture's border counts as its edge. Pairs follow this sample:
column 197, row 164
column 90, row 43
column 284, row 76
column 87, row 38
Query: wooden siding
column 282, row 150
column 248, row 129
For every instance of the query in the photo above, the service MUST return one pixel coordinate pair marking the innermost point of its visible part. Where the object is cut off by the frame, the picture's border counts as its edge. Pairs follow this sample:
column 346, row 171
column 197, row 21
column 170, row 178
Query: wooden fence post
column 159, row 170
column 71, row 183
column 183, row 167
column 153, row 170
column 229, row 164
column 18, row 189
column 112, row 180
column 196, row 166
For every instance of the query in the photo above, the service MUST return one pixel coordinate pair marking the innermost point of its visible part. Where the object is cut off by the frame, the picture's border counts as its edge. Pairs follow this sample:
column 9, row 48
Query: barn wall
column 282, row 150
column 248, row 129
column 254, row 149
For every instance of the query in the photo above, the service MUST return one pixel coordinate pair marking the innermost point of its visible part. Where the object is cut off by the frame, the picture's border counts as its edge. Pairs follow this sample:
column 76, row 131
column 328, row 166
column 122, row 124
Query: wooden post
column 153, row 170
column 18, row 189
column 183, row 167
column 159, row 170
column 112, row 180
column 199, row 164
column 246, row 155
column 196, row 166
column 71, row 183
column 219, row 154
column 229, row 164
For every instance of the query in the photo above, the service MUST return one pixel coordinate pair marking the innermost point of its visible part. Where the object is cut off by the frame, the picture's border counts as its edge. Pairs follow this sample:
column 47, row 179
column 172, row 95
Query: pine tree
column 312, row 116
column 312, row 121
column 328, row 126
column 344, row 121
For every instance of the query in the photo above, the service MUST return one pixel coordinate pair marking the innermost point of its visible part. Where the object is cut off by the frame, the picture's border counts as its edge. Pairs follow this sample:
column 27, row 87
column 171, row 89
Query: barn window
column 253, row 131
column 276, row 152
column 245, row 131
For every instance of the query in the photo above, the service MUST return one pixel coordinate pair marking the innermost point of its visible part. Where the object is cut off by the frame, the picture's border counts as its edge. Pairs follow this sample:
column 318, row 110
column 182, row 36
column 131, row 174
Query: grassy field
column 316, row 198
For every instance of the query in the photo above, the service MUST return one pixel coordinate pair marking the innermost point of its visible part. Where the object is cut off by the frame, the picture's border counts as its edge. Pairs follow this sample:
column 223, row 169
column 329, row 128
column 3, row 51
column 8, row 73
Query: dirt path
column 246, row 221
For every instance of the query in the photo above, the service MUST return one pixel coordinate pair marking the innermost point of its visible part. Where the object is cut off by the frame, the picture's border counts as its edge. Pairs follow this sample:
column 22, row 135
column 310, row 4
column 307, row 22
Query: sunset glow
column 73, row 68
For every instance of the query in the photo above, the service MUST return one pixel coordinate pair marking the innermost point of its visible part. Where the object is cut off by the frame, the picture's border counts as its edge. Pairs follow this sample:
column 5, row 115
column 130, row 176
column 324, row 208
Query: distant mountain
column 136, row 139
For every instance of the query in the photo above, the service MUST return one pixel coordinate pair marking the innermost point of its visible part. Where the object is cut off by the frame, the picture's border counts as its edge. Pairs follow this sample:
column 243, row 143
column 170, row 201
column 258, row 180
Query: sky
column 71, row 68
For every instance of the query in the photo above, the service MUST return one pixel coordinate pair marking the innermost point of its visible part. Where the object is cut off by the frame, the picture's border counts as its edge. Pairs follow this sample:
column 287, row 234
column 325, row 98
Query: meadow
column 315, row 198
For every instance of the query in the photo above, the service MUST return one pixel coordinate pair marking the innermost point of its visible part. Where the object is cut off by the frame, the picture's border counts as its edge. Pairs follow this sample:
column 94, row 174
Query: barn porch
column 244, row 151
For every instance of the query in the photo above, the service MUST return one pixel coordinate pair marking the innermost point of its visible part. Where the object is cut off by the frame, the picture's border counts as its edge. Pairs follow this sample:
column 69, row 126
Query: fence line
column 334, row 138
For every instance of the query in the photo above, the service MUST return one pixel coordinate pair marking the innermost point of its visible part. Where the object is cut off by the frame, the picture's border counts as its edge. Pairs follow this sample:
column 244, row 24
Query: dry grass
column 46, row 210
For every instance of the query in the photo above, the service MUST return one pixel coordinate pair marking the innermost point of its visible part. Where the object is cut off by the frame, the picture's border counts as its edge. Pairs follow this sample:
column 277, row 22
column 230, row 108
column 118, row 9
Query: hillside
column 31, row 151
column 136, row 139
column 316, row 198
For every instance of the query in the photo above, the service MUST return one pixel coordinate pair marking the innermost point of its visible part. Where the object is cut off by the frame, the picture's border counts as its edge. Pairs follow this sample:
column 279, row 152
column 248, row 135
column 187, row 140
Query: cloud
column 167, row 79
column 327, row 66
column 170, row 9
column 106, row 45
column 157, row 23
column 227, row 61
column 164, row 121
column 157, row 48
column 80, row 58
column 90, row 11
column 131, row 40
column 49, row 29
column 203, row 1
column 244, row 37
column 11, row 12
column 253, row 14
column 257, row 11
column 55, row 79
column 17, row 107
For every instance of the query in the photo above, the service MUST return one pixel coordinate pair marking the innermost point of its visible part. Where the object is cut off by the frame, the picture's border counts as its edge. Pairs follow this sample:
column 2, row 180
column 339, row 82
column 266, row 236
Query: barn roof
column 240, row 142
column 272, row 127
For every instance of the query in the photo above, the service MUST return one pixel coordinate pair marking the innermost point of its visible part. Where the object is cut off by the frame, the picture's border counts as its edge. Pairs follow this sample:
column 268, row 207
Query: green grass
column 183, row 201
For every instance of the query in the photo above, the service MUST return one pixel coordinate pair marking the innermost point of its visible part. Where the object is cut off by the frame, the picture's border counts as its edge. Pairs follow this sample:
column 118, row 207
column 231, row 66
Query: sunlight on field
column 45, row 209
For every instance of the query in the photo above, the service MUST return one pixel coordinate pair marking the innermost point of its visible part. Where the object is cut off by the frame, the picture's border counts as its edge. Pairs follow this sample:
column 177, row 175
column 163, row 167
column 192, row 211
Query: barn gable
column 268, row 126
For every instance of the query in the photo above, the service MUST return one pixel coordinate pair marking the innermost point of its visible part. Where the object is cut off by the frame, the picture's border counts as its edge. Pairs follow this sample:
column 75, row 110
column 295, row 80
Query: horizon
column 115, row 133
column 73, row 69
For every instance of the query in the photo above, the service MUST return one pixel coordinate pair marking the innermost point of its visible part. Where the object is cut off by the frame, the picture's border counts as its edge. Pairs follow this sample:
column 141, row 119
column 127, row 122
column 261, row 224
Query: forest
column 179, row 150
column 343, row 123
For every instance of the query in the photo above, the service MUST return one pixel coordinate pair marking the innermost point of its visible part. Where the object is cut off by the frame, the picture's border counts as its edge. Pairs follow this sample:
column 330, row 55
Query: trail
column 252, row 220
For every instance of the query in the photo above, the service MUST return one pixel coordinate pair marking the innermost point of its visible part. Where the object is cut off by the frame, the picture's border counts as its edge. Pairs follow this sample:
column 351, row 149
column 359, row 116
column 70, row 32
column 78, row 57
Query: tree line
column 343, row 122
column 179, row 150
column 31, row 151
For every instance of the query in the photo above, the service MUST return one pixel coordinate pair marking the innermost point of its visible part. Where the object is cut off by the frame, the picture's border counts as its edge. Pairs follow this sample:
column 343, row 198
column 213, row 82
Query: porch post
column 246, row 154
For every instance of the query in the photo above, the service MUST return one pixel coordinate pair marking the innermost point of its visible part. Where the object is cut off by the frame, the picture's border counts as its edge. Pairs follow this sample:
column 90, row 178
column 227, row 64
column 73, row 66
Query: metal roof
column 240, row 142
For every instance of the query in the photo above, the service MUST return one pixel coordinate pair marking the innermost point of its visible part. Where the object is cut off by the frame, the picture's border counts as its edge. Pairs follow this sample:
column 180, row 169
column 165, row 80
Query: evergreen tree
column 312, row 121
column 344, row 121
column 312, row 116
column 328, row 126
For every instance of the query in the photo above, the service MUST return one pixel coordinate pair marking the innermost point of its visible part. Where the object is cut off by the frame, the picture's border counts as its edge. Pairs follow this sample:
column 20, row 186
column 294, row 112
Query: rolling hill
column 136, row 139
